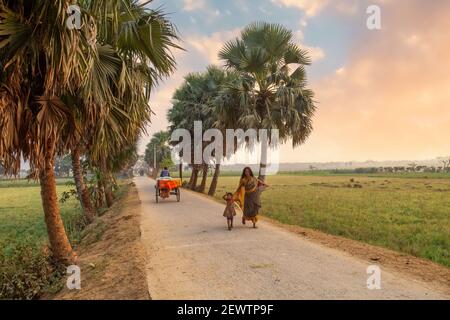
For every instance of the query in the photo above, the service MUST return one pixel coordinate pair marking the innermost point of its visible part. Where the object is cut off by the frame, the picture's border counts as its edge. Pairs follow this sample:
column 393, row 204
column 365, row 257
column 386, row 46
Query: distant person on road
column 165, row 173
column 249, row 195
column 230, row 209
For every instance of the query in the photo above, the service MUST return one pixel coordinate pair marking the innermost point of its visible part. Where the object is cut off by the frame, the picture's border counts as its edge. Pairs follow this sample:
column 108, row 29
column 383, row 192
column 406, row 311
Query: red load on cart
column 167, row 186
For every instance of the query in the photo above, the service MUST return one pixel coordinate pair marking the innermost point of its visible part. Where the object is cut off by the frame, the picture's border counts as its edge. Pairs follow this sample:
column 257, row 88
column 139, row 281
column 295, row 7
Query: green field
column 22, row 217
column 26, row 268
column 409, row 214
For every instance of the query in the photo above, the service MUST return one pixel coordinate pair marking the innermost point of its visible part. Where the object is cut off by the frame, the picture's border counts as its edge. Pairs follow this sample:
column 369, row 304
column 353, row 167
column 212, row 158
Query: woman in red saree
column 248, row 194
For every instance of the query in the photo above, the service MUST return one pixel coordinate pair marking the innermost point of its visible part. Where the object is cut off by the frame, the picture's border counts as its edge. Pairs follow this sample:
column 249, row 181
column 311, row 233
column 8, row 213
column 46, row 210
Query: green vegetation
column 85, row 93
column 23, row 183
column 407, row 215
column 21, row 215
column 26, row 267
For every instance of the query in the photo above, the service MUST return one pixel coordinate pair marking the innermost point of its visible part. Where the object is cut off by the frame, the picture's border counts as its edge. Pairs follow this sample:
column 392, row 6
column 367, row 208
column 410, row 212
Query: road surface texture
column 192, row 255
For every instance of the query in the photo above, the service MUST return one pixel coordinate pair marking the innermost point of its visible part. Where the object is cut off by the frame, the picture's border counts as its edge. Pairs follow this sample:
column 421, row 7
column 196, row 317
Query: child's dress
column 230, row 210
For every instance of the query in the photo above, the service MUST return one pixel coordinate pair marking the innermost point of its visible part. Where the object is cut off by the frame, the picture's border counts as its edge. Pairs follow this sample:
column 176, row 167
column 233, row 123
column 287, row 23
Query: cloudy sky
column 382, row 95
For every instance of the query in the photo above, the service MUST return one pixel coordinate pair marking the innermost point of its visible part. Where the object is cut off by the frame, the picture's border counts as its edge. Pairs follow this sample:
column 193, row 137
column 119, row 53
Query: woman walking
column 248, row 194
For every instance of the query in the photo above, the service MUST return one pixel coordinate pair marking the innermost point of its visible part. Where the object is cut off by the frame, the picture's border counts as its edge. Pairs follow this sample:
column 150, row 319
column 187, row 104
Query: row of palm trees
column 84, row 92
column 263, row 85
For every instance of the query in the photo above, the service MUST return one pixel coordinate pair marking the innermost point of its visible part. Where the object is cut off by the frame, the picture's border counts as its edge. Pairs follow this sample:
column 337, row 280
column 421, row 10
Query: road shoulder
column 111, row 255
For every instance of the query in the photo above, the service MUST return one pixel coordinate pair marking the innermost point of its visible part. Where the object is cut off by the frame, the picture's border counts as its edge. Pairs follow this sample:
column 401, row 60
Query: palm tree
column 126, row 160
column 129, row 65
column 187, row 108
column 158, row 148
column 41, row 60
column 45, row 65
column 196, row 100
column 272, row 92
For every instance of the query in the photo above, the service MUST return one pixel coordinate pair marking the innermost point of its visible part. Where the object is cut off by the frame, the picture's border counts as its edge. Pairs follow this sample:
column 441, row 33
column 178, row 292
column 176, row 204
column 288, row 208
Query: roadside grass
column 22, row 183
column 26, row 268
column 410, row 215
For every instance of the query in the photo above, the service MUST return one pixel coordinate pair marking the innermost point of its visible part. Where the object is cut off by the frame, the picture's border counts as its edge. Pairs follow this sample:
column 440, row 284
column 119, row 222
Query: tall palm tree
column 272, row 92
column 45, row 65
column 41, row 61
column 187, row 108
column 158, row 148
column 196, row 100
column 135, row 59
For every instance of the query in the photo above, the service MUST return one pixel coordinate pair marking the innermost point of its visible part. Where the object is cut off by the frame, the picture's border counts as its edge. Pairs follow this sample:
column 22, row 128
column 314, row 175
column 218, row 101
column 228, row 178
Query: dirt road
column 191, row 255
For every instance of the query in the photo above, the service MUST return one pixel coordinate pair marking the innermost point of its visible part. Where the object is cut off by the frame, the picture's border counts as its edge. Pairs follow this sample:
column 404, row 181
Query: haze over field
column 382, row 95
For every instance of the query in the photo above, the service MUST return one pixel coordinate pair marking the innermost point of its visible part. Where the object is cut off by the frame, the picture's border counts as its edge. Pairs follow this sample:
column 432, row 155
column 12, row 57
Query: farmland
column 409, row 213
column 21, row 215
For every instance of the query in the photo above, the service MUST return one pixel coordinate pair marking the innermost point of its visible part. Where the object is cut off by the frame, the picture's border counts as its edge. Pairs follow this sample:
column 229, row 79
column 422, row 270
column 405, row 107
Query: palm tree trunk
column 101, row 194
column 114, row 185
column 108, row 194
column 82, row 190
column 191, row 177
column 213, row 186
column 59, row 243
column 204, row 177
column 106, row 184
column 195, row 170
column 263, row 162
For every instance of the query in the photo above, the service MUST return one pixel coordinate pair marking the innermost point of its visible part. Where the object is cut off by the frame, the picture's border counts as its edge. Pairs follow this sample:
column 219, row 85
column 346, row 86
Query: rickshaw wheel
column 157, row 196
column 178, row 195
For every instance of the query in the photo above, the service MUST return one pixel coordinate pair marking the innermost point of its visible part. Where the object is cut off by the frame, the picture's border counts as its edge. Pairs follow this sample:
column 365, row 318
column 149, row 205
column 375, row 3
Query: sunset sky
column 382, row 95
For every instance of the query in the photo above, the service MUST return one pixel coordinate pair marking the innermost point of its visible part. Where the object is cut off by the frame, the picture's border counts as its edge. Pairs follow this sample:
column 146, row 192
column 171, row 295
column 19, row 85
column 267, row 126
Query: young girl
column 230, row 209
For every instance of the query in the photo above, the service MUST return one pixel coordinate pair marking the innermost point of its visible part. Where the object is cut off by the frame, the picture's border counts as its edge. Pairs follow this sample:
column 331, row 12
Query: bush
column 25, row 271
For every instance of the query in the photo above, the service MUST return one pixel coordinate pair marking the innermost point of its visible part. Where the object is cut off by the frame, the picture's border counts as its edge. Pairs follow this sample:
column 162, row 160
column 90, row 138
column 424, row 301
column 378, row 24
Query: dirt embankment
column 111, row 256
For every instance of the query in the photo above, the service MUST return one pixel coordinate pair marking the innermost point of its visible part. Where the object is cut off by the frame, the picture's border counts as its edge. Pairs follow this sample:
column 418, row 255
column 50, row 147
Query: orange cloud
column 392, row 100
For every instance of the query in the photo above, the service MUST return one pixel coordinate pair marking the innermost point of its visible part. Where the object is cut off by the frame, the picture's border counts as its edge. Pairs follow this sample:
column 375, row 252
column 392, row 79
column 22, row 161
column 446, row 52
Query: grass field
column 408, row 214
column 26, row 269
column 22, row 217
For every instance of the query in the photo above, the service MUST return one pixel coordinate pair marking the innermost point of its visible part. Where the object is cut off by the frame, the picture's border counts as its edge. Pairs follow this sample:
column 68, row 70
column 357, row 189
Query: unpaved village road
column 191, row 255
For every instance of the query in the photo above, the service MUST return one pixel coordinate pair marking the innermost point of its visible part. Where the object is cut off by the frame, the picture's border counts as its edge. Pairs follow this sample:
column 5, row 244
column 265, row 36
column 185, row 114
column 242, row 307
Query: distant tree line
column 412, row 168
